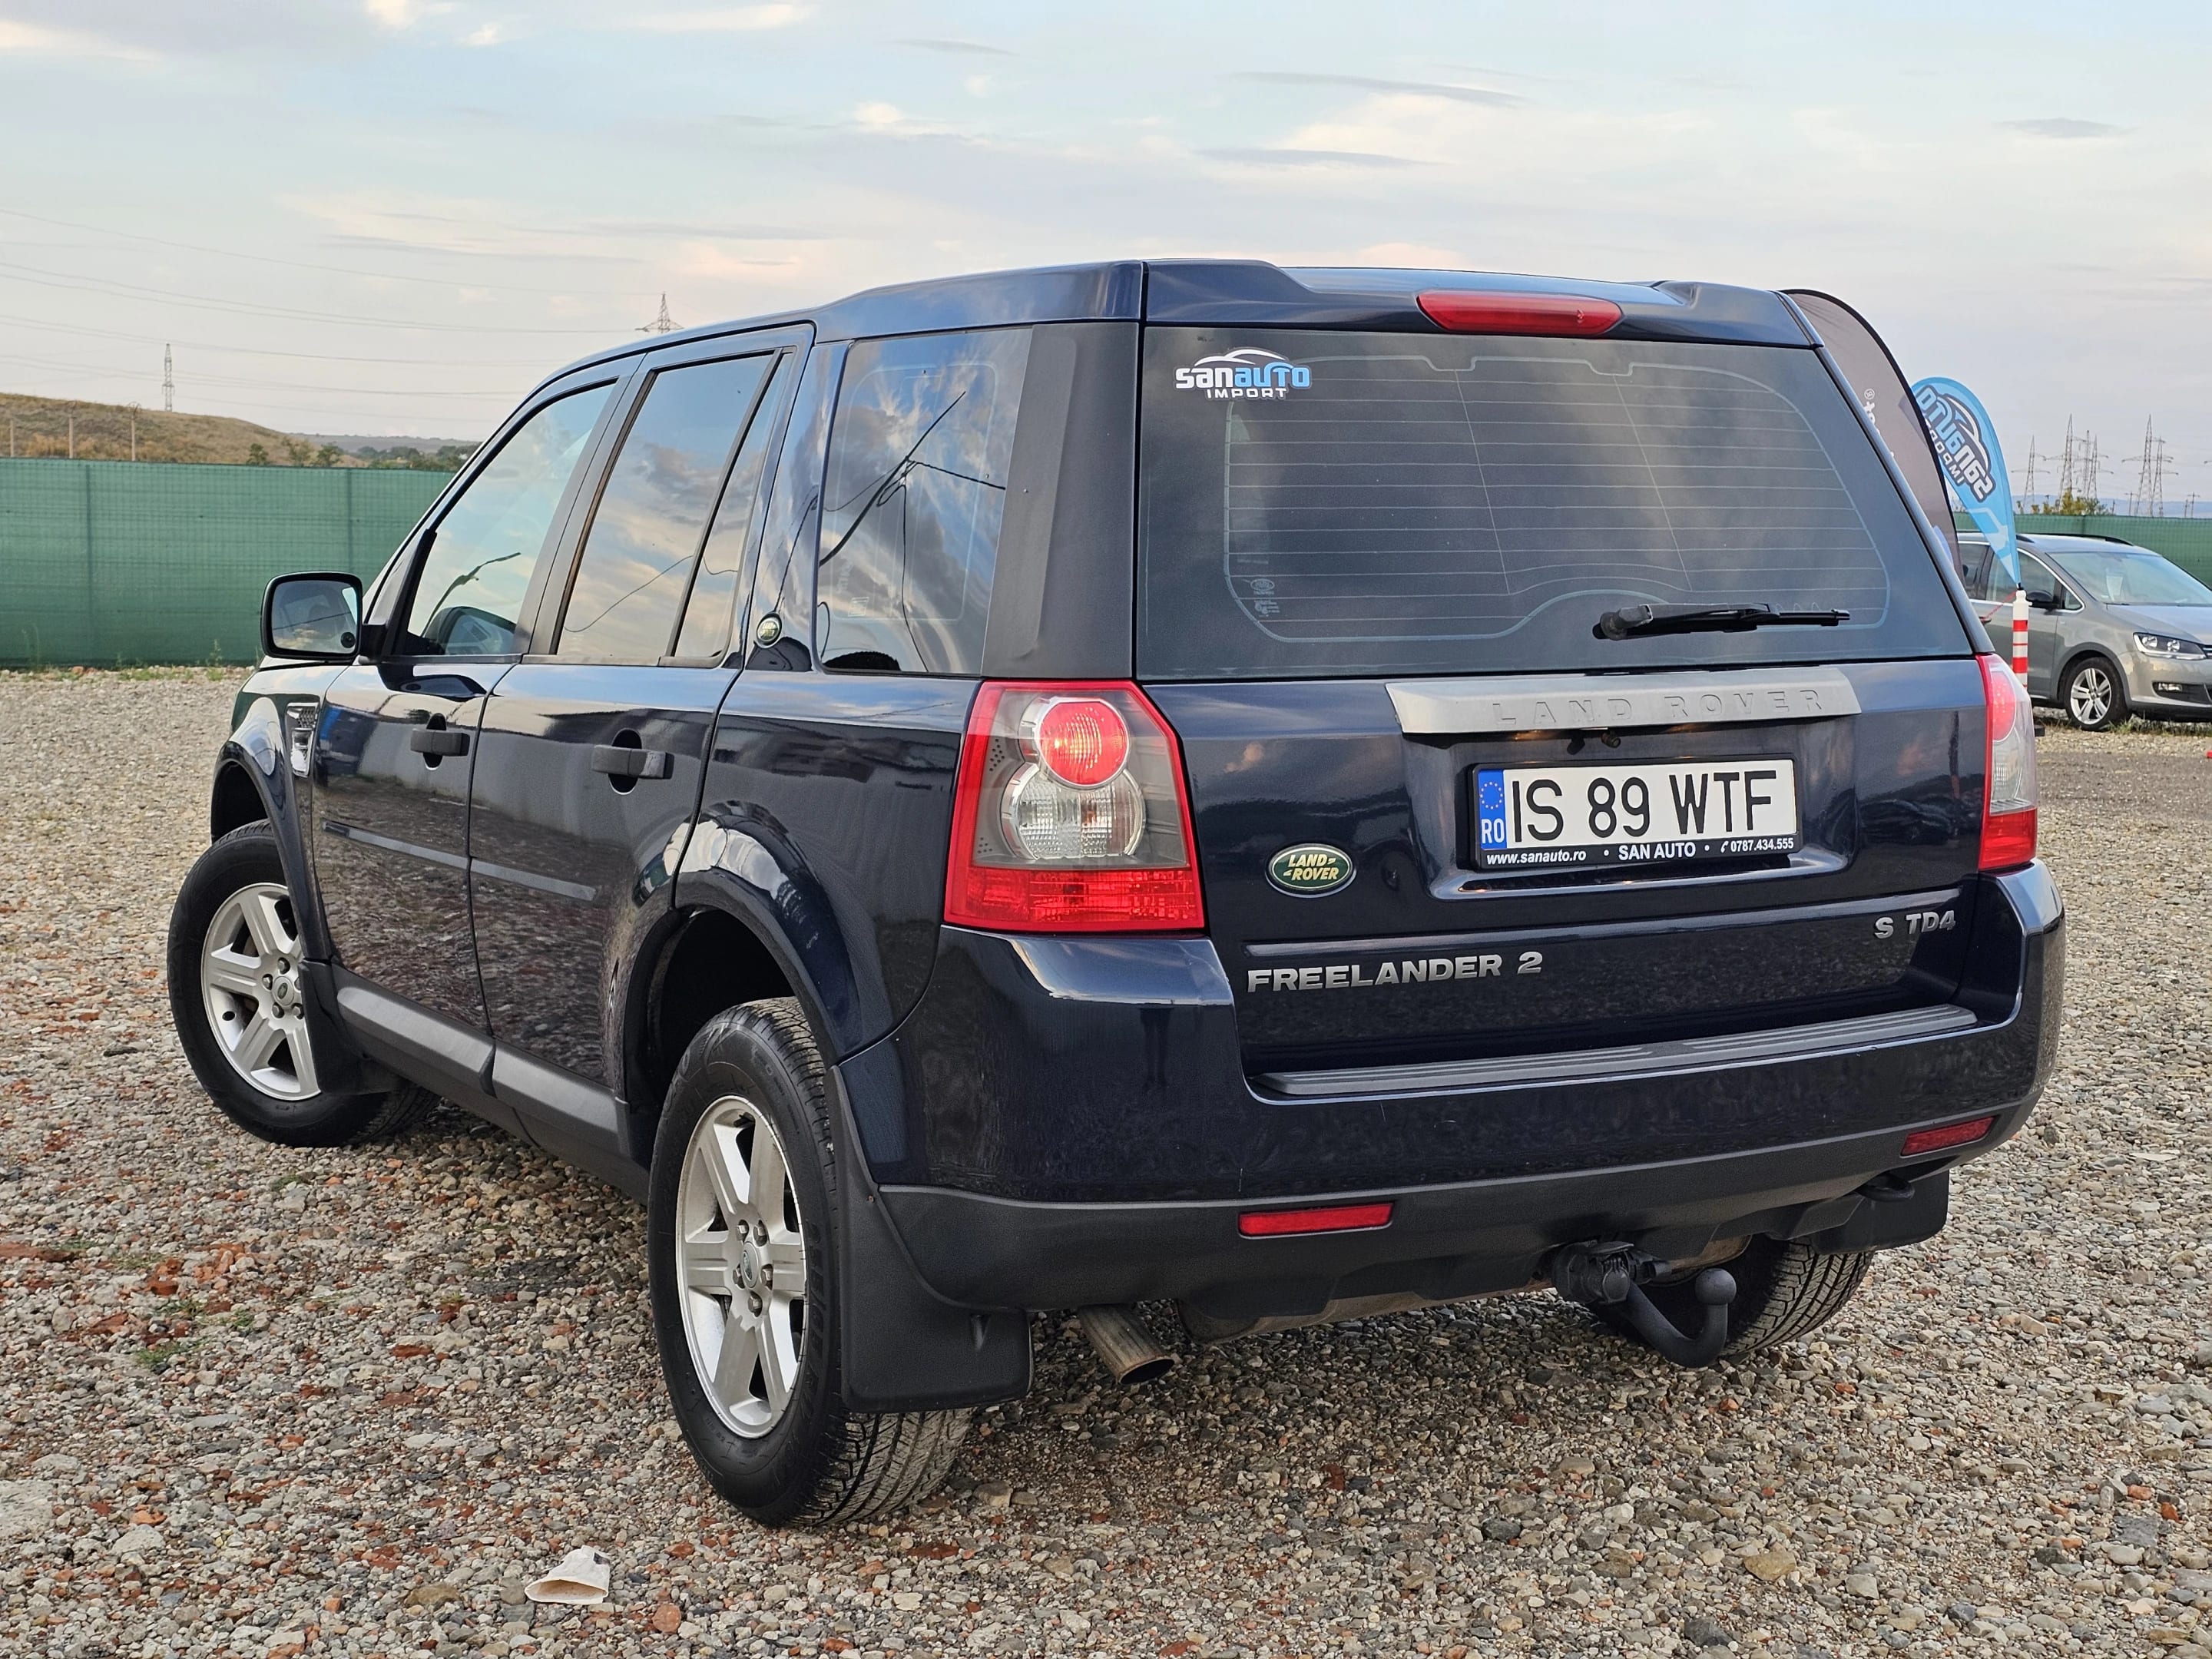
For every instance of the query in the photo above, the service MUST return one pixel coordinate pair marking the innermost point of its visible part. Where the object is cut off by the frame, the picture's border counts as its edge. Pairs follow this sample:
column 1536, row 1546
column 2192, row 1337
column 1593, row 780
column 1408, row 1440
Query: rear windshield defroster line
column 1318, row 503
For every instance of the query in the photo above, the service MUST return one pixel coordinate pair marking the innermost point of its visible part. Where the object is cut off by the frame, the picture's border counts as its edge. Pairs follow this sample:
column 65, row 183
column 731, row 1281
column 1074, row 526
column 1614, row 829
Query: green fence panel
column 2187, row 542
column 106, row 562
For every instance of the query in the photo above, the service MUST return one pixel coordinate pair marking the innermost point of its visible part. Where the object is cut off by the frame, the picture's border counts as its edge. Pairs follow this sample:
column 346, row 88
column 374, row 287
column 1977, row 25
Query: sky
column 396, row 215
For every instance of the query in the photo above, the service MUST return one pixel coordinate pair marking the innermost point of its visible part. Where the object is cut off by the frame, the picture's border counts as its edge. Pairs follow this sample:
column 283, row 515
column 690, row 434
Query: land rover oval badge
column 1310, row 870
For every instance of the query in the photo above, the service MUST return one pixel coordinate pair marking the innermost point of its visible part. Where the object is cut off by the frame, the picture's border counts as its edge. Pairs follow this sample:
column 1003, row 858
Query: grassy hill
column 41, row 427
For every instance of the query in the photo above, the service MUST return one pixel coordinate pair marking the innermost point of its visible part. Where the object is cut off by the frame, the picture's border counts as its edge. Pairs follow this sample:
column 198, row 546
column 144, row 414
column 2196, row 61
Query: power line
column 536, row 363
column 66, row 279
column 97, row 372
column 303, row 264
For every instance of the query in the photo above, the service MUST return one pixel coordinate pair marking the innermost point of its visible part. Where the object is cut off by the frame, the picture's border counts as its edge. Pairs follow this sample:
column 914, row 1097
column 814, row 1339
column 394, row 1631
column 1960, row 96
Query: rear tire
column 236, row 995
column 2092, row 695
column 738, row 1244
column 1784, row 1290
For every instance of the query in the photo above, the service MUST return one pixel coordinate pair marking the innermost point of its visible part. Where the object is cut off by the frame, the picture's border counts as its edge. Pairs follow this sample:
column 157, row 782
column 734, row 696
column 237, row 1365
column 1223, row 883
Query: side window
column 2038, row 577
column 486, row 548
column 915, row 490
column 707, row 618
column 1978, row 572
column 635, row 565
column 783, row 583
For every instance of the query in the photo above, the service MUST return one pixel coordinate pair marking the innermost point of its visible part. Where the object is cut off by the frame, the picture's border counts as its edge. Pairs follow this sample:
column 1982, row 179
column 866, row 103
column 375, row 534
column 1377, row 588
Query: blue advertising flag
column 1966, row 440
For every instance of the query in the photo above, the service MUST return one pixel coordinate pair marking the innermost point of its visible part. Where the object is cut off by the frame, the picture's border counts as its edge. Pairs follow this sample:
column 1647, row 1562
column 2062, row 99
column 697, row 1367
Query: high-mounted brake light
column 1328, row 1218
column 1070, row 816
column 2008, row 792
column 1466, row 313
column 1950, row 1135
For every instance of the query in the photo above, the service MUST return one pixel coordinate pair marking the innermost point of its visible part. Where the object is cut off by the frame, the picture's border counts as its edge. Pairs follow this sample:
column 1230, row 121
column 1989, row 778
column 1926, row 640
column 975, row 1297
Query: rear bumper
column 1066, row 1122
column 1441, row 1242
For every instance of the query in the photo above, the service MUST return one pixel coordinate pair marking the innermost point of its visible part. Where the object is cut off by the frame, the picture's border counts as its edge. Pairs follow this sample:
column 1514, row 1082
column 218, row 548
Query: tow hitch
column 1613, row 1275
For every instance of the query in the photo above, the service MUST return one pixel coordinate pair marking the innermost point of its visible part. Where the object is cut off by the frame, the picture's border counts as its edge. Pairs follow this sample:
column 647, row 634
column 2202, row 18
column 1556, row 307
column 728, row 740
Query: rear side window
column 914, row 498
column 707, row 613
column 635, row 565
column 471, row 588
column 1330, row 503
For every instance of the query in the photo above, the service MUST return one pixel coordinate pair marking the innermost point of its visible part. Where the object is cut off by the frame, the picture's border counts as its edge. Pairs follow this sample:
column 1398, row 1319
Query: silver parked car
column 2113, row 630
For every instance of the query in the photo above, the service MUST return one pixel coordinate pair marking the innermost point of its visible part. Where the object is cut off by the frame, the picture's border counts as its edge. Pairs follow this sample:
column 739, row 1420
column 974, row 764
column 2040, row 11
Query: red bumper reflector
column 1466, row 313
column 1330, row 1218
column 1951, row 1134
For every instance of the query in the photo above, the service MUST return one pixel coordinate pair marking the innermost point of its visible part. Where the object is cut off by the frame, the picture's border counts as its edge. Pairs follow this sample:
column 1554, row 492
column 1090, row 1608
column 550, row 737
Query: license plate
column 1646, row 813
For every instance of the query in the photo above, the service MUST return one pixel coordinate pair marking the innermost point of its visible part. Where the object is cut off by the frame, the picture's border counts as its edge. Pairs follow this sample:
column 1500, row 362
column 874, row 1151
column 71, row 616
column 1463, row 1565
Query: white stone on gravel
column 26, row 1508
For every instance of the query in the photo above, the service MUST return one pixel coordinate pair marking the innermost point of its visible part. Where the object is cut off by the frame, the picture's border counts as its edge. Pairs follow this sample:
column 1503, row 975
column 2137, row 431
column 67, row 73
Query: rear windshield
column 1331, row 504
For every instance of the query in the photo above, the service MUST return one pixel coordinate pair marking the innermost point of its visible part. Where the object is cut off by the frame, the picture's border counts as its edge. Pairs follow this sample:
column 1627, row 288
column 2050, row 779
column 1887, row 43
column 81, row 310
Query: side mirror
column 2040, row 600
column 316, row 616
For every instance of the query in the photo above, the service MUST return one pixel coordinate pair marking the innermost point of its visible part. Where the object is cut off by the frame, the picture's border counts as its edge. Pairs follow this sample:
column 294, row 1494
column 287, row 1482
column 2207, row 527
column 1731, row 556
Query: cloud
column 880, row 117
column 1374, row 83
column 1263, row 156
column 2063, row 126
column 490, row 34
column 727, row 20
column 970, row 48
column 37, row 40
column 398, row 14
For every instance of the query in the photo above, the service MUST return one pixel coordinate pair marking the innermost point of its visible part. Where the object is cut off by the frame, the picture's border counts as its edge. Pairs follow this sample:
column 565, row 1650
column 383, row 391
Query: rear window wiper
column 1641, row 621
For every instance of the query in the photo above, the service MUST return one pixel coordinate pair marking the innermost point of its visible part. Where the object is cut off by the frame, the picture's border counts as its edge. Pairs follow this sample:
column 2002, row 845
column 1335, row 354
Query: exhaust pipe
column 1123, row 1346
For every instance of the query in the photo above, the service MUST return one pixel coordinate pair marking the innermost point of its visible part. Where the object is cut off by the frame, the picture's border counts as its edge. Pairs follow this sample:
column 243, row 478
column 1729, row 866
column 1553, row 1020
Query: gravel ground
column 257, row 1402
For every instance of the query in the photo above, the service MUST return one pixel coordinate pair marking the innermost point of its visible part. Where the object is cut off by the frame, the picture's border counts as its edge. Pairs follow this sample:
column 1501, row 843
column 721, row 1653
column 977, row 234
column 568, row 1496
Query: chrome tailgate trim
column 1566, row 702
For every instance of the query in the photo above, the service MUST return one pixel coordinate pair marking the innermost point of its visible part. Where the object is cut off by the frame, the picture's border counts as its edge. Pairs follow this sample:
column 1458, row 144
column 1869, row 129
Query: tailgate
column 1361, row 924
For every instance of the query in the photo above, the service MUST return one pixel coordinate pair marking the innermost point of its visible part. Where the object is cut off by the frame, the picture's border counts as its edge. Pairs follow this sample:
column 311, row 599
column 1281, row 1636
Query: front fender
column 257, row 752
column 257, row 749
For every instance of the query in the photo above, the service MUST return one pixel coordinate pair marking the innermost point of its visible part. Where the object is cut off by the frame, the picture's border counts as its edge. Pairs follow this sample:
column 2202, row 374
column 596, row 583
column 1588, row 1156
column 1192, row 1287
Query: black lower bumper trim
column 1441, row 1242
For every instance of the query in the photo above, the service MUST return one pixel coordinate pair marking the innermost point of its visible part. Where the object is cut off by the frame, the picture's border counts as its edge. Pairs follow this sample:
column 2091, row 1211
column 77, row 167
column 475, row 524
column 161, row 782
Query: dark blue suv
column 1297, row 793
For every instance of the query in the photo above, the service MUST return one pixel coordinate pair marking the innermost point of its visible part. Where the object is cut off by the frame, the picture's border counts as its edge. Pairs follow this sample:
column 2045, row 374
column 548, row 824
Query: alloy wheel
column 2089, row 700
column 250, row 988
column 741, row 1261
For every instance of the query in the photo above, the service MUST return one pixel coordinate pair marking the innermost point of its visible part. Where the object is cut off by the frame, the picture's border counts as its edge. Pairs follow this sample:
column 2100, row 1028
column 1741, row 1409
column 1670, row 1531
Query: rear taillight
column 1466, row 313
column 2008, row 793
column 1070, row 816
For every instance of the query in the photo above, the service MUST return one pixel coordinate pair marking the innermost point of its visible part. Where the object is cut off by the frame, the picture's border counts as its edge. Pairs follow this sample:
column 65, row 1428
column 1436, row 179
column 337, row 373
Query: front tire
column 2092, row 695
column 237, row 995
column 1783, row 1290
column 739, row 1242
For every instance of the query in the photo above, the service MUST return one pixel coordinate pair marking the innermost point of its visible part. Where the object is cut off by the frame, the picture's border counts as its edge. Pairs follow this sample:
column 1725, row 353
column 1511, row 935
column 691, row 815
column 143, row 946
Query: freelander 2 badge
column 1310, row 870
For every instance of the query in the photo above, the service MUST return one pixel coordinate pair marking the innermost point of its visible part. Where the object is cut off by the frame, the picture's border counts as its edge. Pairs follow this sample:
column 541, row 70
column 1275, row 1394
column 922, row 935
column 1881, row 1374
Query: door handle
column 438, row 740
column 620, row 760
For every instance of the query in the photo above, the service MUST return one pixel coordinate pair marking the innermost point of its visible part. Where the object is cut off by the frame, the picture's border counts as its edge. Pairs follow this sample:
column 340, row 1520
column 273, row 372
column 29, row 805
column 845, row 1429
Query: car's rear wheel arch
column 705, row 959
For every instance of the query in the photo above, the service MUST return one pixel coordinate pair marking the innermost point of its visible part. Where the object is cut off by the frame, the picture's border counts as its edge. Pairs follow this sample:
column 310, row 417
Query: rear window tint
column 1330, row 503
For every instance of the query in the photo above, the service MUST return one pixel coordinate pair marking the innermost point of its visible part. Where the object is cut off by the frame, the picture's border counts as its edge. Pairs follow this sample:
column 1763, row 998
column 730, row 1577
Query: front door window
column 486, row 546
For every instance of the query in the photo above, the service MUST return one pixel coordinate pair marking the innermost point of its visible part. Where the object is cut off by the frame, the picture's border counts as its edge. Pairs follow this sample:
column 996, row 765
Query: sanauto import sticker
column 1311, row 870
column 1247, row 371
